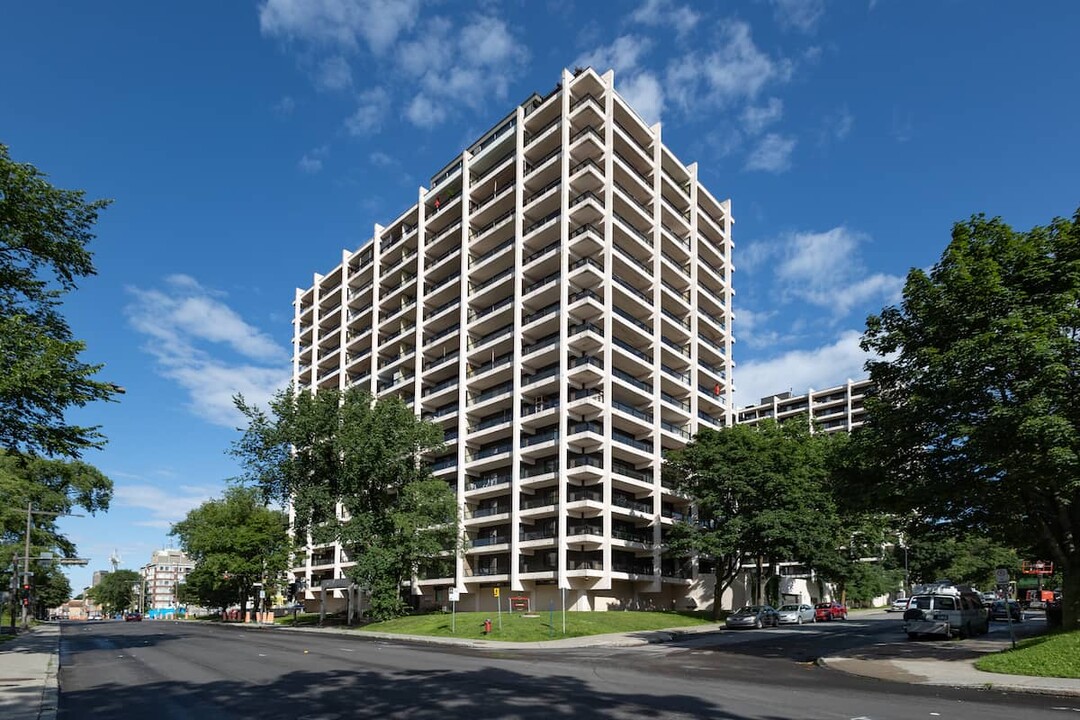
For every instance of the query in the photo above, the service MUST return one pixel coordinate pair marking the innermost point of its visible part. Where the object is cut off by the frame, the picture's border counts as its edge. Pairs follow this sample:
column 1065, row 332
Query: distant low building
column 836, row 409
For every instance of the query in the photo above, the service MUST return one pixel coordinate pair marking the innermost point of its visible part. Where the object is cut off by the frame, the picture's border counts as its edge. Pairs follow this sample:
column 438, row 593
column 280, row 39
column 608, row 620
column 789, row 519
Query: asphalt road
column 164, row 670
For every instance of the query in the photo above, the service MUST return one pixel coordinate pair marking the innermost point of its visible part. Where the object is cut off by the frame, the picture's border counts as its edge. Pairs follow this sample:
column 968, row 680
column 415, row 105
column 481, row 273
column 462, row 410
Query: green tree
column 760, row 493
column 238, row 540
column 315, row 451
column 51, row 589
column 948, row 551
column 44, row 233
column 856, row 560
column 210, row 589
column 118, row 591
column 976, row 417
column 53, row 488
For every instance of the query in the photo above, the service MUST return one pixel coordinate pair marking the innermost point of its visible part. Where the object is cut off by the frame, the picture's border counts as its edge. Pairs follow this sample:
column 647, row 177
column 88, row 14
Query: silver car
column 795, row 614
column 753, row 616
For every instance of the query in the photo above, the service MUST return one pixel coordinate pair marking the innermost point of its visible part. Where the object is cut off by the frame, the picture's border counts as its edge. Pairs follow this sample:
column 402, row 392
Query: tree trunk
column 758, row 584
column 1070, row 598
column 243, row 605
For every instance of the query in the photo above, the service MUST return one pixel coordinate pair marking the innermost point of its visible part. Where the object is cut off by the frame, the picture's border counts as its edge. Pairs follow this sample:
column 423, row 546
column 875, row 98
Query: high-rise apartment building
column 835, row 409
column 163, row 576
column 558, row 301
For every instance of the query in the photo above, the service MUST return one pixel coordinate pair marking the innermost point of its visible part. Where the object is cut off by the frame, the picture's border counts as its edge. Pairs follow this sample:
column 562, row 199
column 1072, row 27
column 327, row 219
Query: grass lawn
column 1054, row 655
column 517, row 627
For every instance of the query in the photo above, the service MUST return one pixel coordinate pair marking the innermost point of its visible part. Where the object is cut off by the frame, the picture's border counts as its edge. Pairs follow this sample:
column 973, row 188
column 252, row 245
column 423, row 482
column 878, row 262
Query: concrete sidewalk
column 950, row 664
column 29, row 674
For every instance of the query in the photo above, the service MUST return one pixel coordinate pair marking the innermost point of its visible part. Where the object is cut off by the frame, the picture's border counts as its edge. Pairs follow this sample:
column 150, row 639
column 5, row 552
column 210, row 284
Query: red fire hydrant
column 487, row 626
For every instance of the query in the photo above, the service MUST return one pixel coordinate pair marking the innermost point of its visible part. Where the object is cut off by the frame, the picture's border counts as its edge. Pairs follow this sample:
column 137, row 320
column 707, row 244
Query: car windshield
column 823, row 605
column 788, row 608
column 749, row 610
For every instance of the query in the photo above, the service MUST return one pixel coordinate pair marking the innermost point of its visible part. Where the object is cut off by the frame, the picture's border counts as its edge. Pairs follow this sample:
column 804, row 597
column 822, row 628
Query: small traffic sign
column 1001, row 575
column 495, row 592
column 454, row 595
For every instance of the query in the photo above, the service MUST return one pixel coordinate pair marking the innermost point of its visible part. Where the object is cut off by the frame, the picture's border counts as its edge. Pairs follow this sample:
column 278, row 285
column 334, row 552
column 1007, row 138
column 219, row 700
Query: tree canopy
column 117, row 591
column 317, row 450
column 976, row 418
column 234, row 542
column 44, row 233
column 760, row 492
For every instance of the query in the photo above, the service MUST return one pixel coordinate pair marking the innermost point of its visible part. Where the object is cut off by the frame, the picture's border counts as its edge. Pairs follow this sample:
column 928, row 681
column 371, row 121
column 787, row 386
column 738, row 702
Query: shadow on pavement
column 439, row 694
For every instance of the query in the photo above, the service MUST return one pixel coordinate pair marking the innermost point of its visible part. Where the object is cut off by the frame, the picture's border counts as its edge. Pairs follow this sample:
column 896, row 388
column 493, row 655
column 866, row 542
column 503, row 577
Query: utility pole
column 26, row 574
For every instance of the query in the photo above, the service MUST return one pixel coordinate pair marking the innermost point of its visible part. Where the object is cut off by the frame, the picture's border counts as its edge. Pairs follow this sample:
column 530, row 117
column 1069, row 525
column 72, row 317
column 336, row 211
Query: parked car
column 133, row 617
column 945, row 609
column 898, row 605
column 825, row 611
column 998, row 612
column 795, row 614
column 753, row 616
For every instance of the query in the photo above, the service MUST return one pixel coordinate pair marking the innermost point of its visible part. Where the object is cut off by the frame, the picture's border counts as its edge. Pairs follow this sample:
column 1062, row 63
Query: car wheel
column 799, row 620
column 912, row 636
column 758, row 624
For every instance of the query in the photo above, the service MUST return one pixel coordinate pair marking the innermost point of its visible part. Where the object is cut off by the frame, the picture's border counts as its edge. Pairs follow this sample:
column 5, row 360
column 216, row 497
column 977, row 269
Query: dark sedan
column 133, row 617
column 998, row 612
column 753, row 616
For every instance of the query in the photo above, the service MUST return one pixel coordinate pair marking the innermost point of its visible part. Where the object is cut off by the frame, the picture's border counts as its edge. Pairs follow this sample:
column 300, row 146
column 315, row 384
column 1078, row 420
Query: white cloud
column 800, row 370
column 644, row 93
column 801, row 15
column 466, row 67
column 772, row 154
column 838, row 125
column 735, row 72
column 333, row 74
column 381, row 159
column 424, row 112
column 312, row 162
column 185, row 319
column 343, row 23
column 285, row 106
column 371, row 108
column 165, row 506
column 756, row 119
column 826, row 269
column 665, row 12
column 623, row 55
column 427, row 66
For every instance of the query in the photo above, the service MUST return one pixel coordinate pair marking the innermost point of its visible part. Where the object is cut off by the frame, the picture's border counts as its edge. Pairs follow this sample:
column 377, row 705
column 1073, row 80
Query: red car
column 829, row 611
column 133, row 617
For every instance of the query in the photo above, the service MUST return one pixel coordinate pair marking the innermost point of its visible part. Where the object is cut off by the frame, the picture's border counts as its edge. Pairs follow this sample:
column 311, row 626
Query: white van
column 946, row 610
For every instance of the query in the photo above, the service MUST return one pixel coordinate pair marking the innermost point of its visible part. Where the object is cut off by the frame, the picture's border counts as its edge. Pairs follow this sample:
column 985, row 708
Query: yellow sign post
column 495, row 592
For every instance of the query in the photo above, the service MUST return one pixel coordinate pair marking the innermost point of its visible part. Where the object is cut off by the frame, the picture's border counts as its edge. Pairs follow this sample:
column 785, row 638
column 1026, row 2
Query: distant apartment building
column 164, row 573
column 558, row 300
column 835, row 409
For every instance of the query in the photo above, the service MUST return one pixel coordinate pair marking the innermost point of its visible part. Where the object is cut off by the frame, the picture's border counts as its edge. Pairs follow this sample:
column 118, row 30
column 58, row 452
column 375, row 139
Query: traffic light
column 291, row 591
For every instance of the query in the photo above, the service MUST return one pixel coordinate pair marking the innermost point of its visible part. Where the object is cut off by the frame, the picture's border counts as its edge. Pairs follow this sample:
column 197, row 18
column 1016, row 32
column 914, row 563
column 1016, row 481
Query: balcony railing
column 488, row 482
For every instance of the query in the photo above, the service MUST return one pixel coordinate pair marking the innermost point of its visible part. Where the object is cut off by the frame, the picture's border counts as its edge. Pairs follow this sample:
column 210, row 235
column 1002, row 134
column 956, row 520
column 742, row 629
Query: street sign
column 1002, row 576
column 495, row 592
column 455, row 595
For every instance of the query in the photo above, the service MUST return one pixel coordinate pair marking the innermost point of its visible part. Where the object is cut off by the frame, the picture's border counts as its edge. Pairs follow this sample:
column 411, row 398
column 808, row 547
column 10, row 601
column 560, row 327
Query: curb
column 610, row 640
column 1008, row 682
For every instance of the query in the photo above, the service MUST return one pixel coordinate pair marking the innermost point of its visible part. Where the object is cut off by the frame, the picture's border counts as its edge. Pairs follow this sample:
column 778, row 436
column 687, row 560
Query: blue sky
column 247, row 143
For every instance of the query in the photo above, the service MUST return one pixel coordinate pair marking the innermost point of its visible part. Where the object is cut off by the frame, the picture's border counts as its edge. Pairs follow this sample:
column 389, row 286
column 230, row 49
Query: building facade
column 162, row 576
column 558, row 301
column 835, row 409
